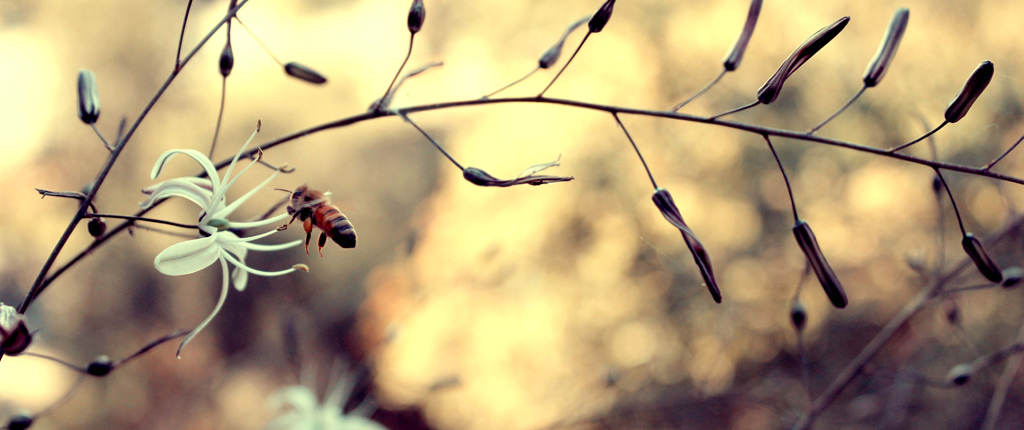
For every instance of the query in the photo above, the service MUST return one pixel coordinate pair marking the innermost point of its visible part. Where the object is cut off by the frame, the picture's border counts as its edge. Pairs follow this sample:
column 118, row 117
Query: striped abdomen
column 329, row 219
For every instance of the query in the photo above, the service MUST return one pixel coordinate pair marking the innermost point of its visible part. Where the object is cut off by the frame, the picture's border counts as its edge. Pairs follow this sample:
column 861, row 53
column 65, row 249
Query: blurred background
column 571, row 305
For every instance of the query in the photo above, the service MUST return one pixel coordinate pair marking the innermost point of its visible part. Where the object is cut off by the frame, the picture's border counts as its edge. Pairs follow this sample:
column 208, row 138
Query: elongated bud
column 14, row 335
column 227, row 60
column 97, row 227
column 663, row 200
column 19, row 422
column 732, row 61
column 887, row 50
column 771, row 89
column 980, row 257
column 88, row 97
column 1012, row 276
column 798, row 315
column 601, row 17
column 417, row 13
column 975, row 84
column 299, row 71
column 828, row 279
column 101, row 366
column 960, row 374
column 551, row 55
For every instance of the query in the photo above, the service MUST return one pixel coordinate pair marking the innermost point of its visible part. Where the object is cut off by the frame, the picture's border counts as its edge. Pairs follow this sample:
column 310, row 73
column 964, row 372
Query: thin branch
column 739, row 109
column 995, row 406
column 920, row 138
column 137, row 218
column 792, row 201
column 959, row 220
column 412, row 38
column 260, row 42
column 181, row 39
column 102, row 175
column 62, row 399
column 105, row 143
column 564, row 66
column 848, row 103
column 535, row 69
column 149, row 346
column 998, row 159
column 431, row 139
column 638, row 154
column 56, row 360
column 68, row 195
column 701, row 92
column 220, row 113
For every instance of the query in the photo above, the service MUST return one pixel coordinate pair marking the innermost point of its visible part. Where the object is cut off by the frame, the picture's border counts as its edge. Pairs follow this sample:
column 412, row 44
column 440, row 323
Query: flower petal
column 216, row 309
column 242, row 266
column 239, row 278
column 203, row 161
column 253, row 224
column 187, row 257
column 179, row 188
column 302, row 399
column 224, row 213
column 275, row 247
column 227, row 173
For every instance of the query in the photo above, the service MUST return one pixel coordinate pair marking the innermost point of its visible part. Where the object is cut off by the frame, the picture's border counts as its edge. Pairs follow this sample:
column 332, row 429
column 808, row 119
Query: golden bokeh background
column 568, row 305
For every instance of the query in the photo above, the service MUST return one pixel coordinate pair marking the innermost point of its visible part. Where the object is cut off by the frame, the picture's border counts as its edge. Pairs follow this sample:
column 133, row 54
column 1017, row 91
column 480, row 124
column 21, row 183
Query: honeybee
column 314, row 208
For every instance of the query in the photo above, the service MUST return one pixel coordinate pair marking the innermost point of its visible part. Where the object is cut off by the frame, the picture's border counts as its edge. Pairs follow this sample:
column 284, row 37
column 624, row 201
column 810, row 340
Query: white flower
column 217, row 243
column 301, row 411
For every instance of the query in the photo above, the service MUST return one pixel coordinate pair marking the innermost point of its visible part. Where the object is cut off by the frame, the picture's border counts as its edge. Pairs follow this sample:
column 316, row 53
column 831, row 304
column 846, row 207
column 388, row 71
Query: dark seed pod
column 663, row 200
column 601, row 17
column 771, row 89
column 19, row 422
column 960, row 374
column 952, row 311
column 101, row 366
column 304, row 73
column 732, row 61
column 975, row 84
column 887, row 50
column 1012, row 276
column 798, row 315
column 980, row 257
column 937, row 185
column 227, row 60
column 551, row 55
column 828, row 279
column 88, row 97
column 97, row 227
column 417, row 14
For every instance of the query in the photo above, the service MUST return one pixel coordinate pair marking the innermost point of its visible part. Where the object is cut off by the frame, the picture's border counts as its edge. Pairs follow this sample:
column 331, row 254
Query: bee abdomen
column 339, row 228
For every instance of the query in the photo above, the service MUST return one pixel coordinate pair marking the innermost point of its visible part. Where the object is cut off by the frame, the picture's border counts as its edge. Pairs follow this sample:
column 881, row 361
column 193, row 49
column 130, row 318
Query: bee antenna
column 282, row 189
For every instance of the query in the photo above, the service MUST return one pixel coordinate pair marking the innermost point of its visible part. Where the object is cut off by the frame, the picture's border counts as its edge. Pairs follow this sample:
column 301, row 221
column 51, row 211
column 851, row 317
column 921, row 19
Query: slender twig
column 792, row 201
column 739, row 109
column 167, row 232
column 848, row 103
column 535, row 69
column 220, row 113
column 564, row 66
column 120, row 129
column 56, row 360
column 431, row 139
column 995, row 406
column 959, row 220
column 920, row 138
column 102, row 175
column 181, row 39
column 260, row 42
column 138, row 218
column 701, row 92
column 105, row 143
column 998, row 159
column 149, row 346
column 412, row 38
column 952, row 291
column 898, row 321
column 68, row 195
column 638, row 154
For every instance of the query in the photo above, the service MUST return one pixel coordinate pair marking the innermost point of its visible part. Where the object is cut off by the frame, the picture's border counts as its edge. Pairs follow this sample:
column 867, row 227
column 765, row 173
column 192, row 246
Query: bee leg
column 308, row 236
column 321, row 242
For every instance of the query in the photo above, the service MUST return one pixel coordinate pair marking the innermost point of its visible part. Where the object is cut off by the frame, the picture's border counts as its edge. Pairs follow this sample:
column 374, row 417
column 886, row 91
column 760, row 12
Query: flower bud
column 19, row 422
column 771, row 89
column 798, row 315
column 980, row 257
column 663, row 200
column 528, row 176
column 227, row 60
column 88, row 97
column 101, row 366
column 960, row 374
column 601, row 17
column 417, row 13
column 304, row 73
column 551, row 55
column 1012, row 276
column 732, row 61
column 975, row 84
column 97, row 227
column 14, row 335
column 828, row 279
column 887, row 50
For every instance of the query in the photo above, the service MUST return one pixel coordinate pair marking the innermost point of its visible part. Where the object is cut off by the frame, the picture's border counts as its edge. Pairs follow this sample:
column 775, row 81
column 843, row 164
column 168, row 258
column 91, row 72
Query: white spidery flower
column 217, row 242
column 301, row 411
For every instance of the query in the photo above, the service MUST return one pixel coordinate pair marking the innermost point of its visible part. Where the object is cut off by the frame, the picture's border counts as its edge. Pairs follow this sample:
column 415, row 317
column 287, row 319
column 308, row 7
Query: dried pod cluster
column 663, row 200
